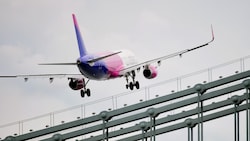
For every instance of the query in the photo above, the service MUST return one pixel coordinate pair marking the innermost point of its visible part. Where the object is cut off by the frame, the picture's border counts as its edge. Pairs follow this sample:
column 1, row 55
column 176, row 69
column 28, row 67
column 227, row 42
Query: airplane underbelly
column 94, row 72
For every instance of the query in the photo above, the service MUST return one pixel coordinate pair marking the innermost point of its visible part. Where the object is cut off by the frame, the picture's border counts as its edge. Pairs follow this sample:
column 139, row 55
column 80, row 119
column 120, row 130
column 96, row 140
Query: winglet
column 212, row 33
column 81, row 45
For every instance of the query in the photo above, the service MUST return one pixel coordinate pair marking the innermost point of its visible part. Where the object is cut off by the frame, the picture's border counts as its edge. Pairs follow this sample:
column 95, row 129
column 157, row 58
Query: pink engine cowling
column 76, row 83
column 150, row 72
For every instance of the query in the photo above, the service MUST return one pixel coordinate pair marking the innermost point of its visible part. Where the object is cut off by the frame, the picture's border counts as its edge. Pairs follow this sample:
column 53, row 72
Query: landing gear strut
column 132, row 84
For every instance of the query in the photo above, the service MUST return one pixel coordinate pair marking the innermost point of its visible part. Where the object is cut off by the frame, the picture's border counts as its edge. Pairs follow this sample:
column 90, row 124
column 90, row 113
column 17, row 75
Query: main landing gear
column 85, row 91
column 132, row 84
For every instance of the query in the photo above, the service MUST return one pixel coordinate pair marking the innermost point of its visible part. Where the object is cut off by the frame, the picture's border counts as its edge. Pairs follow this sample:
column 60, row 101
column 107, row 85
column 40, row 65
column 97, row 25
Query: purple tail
column 81, row 45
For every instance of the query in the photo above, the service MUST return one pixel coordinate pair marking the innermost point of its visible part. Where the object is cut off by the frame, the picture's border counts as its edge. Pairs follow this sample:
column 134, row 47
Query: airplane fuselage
column 107, row 68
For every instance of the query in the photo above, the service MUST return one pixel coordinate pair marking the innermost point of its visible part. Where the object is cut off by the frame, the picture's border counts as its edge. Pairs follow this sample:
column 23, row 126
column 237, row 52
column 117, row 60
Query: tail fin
column 81, row 45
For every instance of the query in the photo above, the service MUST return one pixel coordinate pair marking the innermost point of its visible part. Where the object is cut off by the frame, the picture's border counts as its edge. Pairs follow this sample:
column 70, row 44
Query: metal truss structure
column 146, row 120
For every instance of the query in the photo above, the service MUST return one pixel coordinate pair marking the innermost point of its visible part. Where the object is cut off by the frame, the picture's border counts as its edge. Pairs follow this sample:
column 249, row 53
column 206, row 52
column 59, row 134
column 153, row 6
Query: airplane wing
column 158, row 60
column 50, row 76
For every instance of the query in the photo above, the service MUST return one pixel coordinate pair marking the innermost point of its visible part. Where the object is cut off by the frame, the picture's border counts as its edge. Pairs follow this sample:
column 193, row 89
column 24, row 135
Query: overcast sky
column 35, row 32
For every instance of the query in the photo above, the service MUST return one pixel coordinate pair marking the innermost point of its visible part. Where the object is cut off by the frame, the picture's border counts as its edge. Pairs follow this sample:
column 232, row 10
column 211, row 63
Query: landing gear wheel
column 131, row 86
column 137, row 85
column 82, row 93
column 88, row 92
column 127, row 86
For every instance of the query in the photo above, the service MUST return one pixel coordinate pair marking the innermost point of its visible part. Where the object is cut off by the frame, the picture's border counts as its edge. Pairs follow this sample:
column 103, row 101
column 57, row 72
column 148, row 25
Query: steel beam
column 143, row 105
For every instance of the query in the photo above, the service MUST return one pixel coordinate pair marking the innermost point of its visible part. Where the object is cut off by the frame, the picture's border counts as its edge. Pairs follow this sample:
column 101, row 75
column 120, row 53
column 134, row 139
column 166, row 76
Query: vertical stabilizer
column 80, row 42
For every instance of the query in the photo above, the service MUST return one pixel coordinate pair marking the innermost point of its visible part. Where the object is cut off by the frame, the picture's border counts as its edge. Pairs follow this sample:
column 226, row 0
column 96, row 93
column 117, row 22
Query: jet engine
column 76, row 83
column 150, row 72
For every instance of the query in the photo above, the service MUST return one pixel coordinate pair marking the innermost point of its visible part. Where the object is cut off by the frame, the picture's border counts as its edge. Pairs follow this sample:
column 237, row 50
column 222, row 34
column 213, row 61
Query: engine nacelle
column 150, row 72
column 76, row 83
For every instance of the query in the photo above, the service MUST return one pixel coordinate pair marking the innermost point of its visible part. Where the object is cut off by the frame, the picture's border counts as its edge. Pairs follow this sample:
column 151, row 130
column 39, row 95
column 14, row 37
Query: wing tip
column 212, row 31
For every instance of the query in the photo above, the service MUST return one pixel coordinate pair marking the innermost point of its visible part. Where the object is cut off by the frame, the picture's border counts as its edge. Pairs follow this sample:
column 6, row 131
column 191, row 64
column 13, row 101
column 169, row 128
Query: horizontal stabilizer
column 103, row 57
column 8, row 76
column 58, row 64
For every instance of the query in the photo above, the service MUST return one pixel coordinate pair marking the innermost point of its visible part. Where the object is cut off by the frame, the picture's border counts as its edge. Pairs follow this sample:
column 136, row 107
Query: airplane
column 107, row 65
